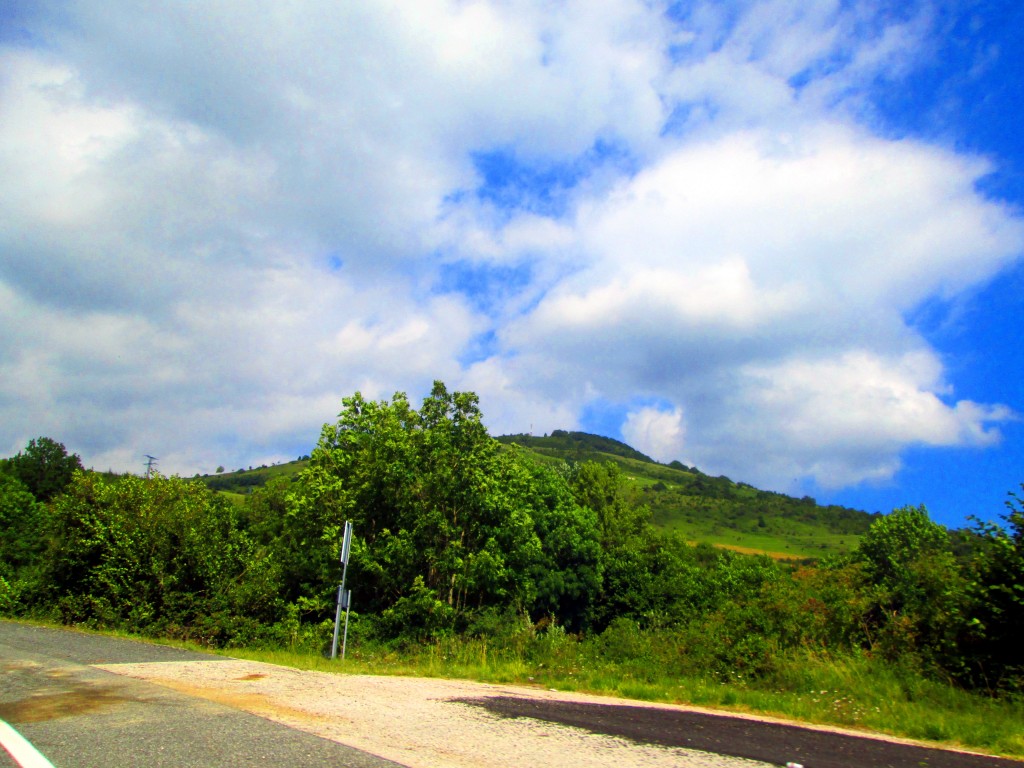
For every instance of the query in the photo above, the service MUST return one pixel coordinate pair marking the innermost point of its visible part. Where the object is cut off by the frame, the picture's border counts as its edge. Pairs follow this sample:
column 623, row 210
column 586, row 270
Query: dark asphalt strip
column 738, row 737
column 85, row 648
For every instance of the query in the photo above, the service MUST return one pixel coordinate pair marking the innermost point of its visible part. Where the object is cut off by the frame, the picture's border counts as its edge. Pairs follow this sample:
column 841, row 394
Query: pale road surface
column 85, row 700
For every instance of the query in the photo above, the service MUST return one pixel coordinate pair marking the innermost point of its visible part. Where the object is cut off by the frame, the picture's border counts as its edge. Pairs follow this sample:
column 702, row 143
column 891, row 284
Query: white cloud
column 660, row 434
column 735, row 273
column 874, row 219
column 856, row 403
column 225, row 219
column 510, row 407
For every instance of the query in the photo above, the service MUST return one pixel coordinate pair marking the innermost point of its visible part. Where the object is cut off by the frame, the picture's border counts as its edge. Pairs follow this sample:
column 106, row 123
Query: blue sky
column 777, row 240
column 968, row 95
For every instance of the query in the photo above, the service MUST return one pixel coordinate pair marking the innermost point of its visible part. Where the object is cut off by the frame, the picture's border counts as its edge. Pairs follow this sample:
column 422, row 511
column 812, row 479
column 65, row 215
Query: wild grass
column 797, row 543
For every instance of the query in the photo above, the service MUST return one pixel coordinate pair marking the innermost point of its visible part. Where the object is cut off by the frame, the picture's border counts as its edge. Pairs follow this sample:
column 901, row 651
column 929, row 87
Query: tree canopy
column 45, row 467
column 447, row 522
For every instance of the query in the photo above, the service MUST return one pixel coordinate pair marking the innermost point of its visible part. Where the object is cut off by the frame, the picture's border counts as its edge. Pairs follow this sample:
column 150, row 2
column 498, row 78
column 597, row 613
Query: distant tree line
column 455, row 535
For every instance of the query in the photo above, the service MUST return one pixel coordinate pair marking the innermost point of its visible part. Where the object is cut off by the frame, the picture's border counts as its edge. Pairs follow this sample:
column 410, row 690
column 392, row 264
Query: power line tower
column 150, row 464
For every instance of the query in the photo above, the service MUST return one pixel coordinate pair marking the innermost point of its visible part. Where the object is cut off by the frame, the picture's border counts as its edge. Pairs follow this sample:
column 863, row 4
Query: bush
column 418, row 617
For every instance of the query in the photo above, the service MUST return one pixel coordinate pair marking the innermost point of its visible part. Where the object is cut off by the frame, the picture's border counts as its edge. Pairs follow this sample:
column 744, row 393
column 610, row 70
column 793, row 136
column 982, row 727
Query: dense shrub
column 158, row 555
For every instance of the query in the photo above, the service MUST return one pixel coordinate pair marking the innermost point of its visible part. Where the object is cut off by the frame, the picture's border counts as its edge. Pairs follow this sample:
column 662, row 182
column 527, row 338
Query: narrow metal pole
column 346, row 544
column 337, row 622
column 348, row 607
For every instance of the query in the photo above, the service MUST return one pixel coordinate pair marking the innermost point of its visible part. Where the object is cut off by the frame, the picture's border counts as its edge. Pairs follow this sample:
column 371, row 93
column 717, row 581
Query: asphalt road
column 81, row 717
column 739, row 737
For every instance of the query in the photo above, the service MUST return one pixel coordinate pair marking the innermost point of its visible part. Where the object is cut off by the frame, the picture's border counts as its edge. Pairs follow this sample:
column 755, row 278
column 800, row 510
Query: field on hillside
column 712, row 510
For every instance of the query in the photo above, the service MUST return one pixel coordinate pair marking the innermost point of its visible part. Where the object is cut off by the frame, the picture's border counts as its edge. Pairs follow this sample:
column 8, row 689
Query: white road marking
column 21, row 749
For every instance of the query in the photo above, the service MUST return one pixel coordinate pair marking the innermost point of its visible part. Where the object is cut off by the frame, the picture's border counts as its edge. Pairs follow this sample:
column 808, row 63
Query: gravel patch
column 421, row 723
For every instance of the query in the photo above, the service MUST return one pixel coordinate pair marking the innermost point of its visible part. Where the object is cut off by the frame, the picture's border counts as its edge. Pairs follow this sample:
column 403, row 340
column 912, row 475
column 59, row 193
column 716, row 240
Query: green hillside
column 243, row 481
column 699, row 507
column 709, row 509
column 575, row 446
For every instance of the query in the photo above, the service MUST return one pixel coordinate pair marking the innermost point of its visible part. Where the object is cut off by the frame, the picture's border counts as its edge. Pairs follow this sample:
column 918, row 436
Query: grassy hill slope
column 709, row 509
column 701, row 508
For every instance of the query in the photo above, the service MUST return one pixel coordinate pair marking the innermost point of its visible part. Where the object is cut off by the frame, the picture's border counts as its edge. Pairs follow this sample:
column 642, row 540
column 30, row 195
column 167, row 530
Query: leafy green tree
column 600, row 486
column 894, row 542
column 443, row 515
column 998, row 610
column 634, row 566
column 21, row 535
column 45, row 467
column 918, row 586
column 22, row 539
column 568, row 572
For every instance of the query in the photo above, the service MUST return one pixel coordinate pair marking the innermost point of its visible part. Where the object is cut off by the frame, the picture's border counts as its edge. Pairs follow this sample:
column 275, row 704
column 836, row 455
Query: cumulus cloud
column 845, row 418
column 660, row 434
column 734, row 274
column 226, row 219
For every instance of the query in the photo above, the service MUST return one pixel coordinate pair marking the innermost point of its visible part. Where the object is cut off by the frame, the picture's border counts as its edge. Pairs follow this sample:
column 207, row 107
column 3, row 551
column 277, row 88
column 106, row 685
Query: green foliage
column 158, row 555
column 9, row 597
column 441, row 514
column 44, row 467
column 20, row 526
column 896, row 542
column 997, row 589
column 568, row 571
column 419, row 615
column 917, row 588
column 22, row 541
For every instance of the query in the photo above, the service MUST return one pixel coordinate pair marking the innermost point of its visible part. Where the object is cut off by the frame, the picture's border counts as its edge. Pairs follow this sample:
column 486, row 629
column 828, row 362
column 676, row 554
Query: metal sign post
column 337, row 625
column 346, row 546
column 348, row 606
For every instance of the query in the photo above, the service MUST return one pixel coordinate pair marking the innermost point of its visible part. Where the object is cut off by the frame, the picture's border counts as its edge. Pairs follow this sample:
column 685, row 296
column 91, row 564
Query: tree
column 918, row 586
column 632, row 570
column 998, row 592
column 442, row 516
column 45, row 467
column 21, row 535
column 567, row 574
column 896, row 541
column 159, row 555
